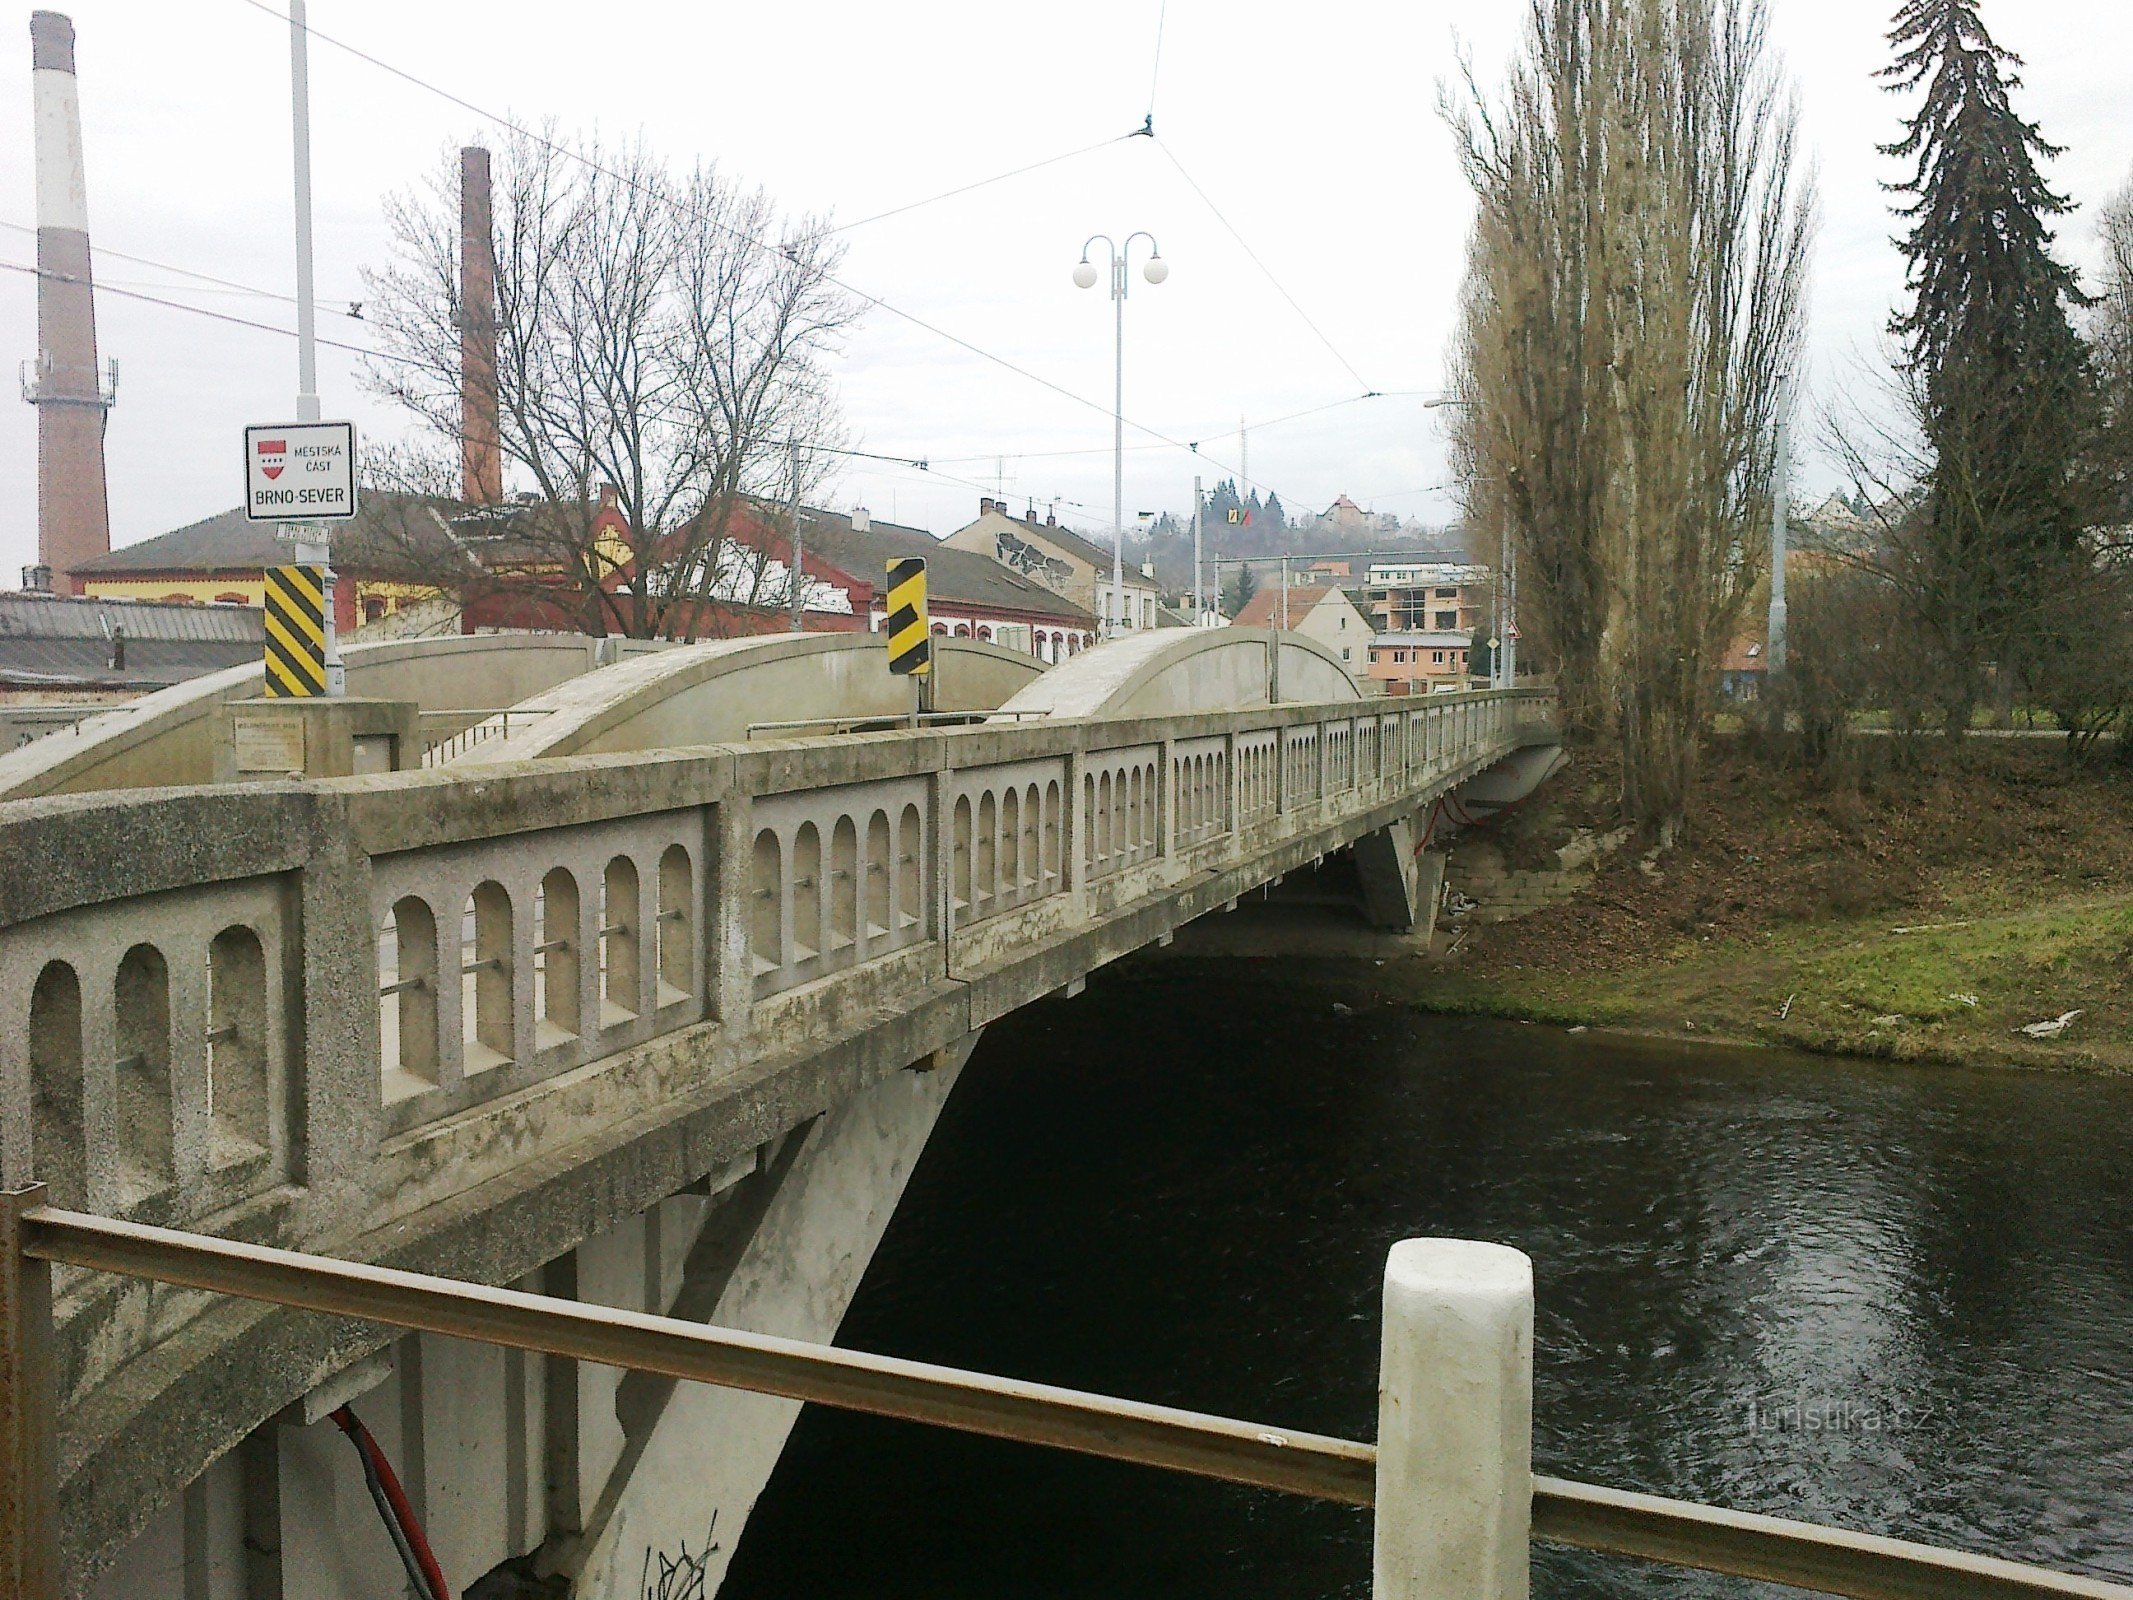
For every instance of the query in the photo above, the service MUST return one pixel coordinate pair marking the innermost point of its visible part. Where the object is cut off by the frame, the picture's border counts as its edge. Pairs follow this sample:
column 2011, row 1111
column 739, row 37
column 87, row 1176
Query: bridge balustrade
column 296, row 1011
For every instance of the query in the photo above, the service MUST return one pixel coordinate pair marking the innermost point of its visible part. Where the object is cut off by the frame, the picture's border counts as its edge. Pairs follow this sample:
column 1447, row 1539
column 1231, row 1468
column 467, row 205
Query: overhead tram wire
column 702, row 218
column 196, row 311
column 1280, row 288
column 984, row 183
column 1155, row 73
column 102, row 251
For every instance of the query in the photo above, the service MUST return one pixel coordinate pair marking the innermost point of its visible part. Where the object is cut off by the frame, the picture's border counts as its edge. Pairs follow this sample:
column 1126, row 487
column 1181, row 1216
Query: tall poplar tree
column 2002, row 381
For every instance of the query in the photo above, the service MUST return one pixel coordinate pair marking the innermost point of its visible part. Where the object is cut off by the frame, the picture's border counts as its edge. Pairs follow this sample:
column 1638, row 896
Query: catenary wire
column 1279, row 287
column 203, row 277
column 984, row 183
column 197, row 311
column 873, row 300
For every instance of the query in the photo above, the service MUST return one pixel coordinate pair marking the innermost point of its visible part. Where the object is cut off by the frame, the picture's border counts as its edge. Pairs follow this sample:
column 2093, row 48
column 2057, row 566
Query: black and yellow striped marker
column 296, row 632
column 910, row 631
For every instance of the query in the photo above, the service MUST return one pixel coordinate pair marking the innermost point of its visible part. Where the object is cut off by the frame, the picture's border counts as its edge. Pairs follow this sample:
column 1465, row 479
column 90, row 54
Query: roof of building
column 963, row 577
column 1264, row 608
column 389, row 531
column 55, row 641
column 1054, row 533
column 1744, row 654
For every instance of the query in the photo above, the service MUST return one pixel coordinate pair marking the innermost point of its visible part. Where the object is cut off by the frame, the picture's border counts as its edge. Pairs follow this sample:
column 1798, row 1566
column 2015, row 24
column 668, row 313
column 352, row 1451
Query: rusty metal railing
column 34, row 1237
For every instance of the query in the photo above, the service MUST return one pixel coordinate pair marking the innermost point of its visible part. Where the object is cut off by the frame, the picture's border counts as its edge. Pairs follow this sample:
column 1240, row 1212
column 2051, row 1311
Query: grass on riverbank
column 1927, row 915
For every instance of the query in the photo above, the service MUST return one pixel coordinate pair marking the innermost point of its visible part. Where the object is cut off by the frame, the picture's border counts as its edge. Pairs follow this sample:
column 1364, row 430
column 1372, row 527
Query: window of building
column 1346, row 653
column 1447, row 619
column 1447, row 594
column 1436, row 658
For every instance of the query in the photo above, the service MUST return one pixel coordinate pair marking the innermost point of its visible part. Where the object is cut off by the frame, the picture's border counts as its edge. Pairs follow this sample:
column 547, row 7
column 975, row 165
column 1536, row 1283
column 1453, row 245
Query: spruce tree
column 2000, row 377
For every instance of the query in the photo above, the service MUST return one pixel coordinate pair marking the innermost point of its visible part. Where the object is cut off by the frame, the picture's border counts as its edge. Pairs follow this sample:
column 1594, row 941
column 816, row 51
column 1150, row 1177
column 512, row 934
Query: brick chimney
column 481, row 456
column 66, row 387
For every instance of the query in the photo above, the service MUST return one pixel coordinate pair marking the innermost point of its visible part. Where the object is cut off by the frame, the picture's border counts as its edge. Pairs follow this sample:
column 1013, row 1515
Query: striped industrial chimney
column 71, row 394
column 480, row 450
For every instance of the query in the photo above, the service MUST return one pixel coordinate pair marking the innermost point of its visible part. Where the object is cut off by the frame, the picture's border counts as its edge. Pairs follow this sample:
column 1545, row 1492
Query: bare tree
column 659, row 347
column 1636, row 296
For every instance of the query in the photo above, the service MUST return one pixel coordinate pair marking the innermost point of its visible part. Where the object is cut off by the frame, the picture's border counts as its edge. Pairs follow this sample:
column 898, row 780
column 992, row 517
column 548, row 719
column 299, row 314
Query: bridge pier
column 1402, row 882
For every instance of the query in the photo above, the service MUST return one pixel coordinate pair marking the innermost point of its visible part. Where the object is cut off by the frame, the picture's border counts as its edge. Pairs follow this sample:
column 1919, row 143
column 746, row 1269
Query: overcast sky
column 1313, row 127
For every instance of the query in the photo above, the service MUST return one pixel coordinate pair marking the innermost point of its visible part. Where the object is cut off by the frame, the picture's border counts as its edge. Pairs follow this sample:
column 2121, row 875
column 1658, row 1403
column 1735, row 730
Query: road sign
column 300, row 472
column 909, row 628
column 296, row 632
column 1511, row 629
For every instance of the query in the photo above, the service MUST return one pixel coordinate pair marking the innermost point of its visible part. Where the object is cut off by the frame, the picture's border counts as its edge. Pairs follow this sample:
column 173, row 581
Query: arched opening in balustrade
column 806, row 894
column 844, row 886
column 910, row 874
column 677, row 927
column 1105, row 842
column 1010, row 843
column 766, row 913
column 1134, row 802
column 237, row 1089
column 878, row 902
column 619, row 912
column 555, row 960
column 1051, row 832
column 141, row 1001
column 986, row 868
column 1088, row 823
column 407, row 998
column 58, row 1154
column 1032, row 852
column 485, row 978
column 959, row 876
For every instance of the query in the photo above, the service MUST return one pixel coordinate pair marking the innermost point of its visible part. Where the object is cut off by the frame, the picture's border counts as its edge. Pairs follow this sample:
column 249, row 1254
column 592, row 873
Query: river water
column 1896, row 1299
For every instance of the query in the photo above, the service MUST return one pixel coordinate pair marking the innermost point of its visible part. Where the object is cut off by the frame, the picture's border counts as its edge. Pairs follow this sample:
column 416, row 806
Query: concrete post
column 1455, row 1423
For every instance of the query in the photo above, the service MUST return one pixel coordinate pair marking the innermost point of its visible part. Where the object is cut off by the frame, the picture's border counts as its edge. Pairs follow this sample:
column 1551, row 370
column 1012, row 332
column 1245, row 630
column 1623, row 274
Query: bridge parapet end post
column 1455, row 1423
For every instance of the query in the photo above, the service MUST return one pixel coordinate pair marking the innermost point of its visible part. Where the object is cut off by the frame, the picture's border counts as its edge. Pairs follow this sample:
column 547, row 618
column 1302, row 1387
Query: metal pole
column 309, row 538
column 1199, row 610
column 1118, row 444
column 1780, row 517
column 796, row 576
column 306, row 306
column 1510, row 611
column 1284, row 594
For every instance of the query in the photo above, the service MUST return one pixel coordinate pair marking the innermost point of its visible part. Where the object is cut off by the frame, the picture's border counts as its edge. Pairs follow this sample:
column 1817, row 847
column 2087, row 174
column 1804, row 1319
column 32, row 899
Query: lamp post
column 1504, row 666
column 1155, row 270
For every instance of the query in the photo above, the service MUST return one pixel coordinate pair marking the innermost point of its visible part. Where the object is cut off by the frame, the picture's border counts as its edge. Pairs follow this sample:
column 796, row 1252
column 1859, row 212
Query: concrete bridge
column 613, row 1002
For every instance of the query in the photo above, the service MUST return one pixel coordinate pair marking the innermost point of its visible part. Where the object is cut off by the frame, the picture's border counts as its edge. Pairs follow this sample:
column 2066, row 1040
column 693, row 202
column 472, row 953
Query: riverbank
column 1928, row 913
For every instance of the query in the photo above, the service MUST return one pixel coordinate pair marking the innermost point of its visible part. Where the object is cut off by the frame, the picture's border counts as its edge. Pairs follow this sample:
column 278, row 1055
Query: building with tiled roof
column 1324, row 612
column 1071, row 566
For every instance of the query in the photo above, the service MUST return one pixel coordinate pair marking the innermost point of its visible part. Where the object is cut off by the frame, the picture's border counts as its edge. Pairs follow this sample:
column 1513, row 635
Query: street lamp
column 1505, row 664
column 1155, row 270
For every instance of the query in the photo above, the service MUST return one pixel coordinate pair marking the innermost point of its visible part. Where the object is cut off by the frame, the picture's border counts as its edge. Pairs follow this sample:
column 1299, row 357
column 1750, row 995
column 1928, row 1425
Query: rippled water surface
column 1896, row 1299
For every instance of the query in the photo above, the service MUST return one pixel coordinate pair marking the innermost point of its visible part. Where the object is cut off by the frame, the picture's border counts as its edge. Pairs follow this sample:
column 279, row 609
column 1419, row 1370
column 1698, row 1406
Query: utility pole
column 1199, row 611
column 309, row 538
column 796, row 576
column 1780, row 531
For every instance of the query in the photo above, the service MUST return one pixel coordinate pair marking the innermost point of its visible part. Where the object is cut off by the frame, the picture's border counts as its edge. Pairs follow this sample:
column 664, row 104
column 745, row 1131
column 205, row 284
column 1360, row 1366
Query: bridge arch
column 169, row 737
column 1176, row 671
column 710, row 693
